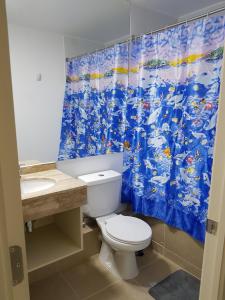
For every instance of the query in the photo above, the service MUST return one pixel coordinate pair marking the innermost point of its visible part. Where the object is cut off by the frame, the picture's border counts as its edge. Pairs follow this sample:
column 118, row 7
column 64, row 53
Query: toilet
column 122, row 236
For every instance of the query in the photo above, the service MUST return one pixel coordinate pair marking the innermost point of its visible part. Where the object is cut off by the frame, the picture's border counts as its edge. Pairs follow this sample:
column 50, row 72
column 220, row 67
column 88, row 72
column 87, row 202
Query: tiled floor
column 92, row 281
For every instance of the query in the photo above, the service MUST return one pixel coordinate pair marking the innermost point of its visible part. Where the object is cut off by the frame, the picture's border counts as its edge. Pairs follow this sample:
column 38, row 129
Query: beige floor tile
column 149, row 257
column 52, row 288
column 92, row 281
column 42, row 273
column 89, row 277
column 154, row 273
column 122, row 291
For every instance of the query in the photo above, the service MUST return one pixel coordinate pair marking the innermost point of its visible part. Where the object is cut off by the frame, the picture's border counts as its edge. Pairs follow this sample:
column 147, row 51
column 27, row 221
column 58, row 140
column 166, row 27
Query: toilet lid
column 128, row 229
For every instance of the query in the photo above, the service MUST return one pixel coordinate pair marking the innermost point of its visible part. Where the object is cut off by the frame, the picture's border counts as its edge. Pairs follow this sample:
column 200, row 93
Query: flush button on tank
column 101, row 175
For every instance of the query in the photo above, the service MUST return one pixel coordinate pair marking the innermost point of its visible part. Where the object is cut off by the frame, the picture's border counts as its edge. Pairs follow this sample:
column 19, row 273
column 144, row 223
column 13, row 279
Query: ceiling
column 99, row 20
column 178, row 8
column 90, row 19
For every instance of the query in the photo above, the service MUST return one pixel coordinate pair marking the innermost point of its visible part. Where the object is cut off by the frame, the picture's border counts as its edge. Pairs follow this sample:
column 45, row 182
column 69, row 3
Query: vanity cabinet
column 55, row 214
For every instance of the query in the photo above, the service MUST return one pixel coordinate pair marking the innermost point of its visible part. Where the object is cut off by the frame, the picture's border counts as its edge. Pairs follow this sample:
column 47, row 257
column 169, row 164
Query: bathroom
column 88, row 84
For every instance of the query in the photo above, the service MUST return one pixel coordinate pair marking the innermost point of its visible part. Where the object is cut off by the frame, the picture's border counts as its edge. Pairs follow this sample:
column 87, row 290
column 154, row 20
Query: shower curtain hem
column 171, row 216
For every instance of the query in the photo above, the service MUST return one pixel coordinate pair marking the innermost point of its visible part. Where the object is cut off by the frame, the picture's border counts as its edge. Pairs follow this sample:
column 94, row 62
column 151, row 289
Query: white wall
column 145, row 20
column 37, row 104
column 78, row 46
column 81, row 166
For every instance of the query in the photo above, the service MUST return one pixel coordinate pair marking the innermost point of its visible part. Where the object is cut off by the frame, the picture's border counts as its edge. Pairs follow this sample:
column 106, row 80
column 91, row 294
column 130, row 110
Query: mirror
column 42, row 35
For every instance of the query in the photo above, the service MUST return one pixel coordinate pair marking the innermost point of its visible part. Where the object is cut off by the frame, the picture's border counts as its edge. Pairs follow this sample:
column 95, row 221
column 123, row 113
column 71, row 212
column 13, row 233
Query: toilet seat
column 128, row 230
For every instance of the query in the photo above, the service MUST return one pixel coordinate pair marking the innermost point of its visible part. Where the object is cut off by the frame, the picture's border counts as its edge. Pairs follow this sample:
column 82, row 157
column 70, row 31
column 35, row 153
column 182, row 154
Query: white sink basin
column 36, row 185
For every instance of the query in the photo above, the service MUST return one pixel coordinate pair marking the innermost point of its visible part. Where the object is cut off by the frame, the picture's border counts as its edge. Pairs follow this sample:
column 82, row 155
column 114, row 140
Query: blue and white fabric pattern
column 172, row 108
column 156, row 100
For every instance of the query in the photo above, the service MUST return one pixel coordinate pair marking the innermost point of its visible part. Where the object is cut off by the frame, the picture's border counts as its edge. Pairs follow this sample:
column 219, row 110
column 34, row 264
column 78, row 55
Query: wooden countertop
column 67, row 193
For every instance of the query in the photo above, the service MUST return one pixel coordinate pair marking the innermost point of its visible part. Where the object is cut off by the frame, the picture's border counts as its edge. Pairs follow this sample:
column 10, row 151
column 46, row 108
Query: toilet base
column 122, row 264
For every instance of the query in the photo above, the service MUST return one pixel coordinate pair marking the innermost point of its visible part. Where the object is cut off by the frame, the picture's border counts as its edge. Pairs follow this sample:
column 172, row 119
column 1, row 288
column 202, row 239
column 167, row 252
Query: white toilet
column 122, row 235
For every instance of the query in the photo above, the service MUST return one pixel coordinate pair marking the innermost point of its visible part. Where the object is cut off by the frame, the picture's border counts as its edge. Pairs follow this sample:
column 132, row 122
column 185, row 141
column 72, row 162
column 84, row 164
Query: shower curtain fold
column 172, row 106
column 95, row 104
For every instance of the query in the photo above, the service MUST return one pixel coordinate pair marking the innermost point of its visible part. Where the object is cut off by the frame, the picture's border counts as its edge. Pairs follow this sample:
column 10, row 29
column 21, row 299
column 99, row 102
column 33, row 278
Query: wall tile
column 157, row 247
column 184, row 246
column 158, row 229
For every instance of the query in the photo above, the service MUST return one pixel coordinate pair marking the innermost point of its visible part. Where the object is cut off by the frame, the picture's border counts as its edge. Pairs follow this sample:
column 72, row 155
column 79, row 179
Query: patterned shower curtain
column 95, row 103
column 164, row 121
column 171, row 121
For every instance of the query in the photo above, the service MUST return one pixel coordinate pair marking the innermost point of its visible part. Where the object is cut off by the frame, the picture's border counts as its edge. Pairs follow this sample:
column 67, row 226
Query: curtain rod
column 133, row 37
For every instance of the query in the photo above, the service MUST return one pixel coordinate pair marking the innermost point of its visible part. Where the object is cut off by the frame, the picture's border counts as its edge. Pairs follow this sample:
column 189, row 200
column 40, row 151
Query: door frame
column 5, row 274
column 213, row 259
column 11, row 216
column 221, row 295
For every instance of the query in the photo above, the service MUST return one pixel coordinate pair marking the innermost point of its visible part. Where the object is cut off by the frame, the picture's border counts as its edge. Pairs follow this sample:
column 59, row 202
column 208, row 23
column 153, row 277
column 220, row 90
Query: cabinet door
column 11, row 218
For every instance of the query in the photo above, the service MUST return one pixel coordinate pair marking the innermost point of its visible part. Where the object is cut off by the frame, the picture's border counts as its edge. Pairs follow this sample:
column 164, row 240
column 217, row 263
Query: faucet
column 20, row 165
column 29, row 226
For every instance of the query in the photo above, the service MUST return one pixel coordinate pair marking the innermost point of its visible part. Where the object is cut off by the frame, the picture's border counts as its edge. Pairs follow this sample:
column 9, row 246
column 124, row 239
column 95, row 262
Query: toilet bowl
column 122, row 235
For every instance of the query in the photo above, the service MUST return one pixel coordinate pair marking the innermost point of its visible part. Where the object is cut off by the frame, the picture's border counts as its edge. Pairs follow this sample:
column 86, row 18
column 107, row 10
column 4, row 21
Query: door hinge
column 16, row 258
column 211, row 226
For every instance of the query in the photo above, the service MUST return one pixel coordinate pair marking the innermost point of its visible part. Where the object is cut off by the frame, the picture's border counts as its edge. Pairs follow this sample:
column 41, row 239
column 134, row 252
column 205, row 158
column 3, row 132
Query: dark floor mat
column 177, row 286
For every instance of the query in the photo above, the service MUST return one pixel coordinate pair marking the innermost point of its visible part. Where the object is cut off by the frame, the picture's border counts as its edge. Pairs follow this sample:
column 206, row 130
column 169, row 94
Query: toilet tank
column 103, row 193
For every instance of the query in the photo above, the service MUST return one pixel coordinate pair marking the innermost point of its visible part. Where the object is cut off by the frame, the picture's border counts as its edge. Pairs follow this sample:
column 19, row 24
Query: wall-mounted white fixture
column 39, row 77
column 34, row 185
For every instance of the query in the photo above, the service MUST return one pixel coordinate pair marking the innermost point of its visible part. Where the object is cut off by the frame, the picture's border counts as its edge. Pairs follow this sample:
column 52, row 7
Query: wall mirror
column 42, row 35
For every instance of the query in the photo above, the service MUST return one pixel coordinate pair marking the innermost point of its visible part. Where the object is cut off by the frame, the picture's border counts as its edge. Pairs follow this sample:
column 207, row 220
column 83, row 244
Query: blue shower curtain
column 171, row 121
column 164, row 119
column 94, row 108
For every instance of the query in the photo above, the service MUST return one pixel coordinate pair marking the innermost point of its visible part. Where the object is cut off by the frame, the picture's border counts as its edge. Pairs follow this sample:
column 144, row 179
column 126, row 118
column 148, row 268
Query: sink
column 36, row 185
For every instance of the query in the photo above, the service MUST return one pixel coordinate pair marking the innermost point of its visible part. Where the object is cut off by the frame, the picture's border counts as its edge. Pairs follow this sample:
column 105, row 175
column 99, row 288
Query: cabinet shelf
column 53, row 242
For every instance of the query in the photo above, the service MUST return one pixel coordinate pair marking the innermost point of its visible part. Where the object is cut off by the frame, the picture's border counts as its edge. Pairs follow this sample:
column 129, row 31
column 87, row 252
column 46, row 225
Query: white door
column 213, row 262
column 13, row 285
